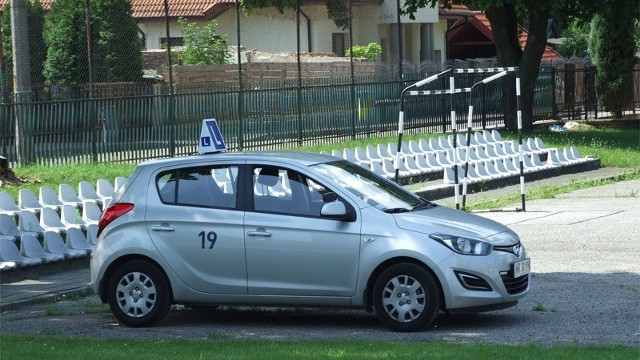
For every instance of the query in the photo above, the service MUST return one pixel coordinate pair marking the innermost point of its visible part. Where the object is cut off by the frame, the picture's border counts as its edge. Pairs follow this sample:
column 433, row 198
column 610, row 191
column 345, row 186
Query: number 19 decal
column 210, row 236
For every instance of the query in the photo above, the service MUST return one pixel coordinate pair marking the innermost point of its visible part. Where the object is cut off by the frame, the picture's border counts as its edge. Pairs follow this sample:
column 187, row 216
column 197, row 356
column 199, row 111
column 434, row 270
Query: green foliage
column 116, row 47
column 202, row 46
column 118, row 51
column 576, row 40
column 337, row 10
column 67, row 46
column 612, row 48
column 37, row 46
column 369, row 52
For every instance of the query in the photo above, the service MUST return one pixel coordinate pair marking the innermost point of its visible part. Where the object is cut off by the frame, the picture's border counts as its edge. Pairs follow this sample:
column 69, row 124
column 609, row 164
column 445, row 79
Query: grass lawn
column 51, row 348
column 615, row 147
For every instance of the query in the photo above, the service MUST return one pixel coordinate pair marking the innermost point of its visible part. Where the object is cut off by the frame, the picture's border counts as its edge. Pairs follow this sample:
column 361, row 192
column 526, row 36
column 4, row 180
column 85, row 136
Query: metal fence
column 276, row 115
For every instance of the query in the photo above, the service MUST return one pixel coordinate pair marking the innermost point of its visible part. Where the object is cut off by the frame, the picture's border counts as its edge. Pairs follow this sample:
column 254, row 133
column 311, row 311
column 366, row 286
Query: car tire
column 138, row 294
column 406, row 297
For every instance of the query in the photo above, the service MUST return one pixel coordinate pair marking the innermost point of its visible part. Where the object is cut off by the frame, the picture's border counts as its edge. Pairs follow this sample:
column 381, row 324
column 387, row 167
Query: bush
column 202, row 46
column 369, row 52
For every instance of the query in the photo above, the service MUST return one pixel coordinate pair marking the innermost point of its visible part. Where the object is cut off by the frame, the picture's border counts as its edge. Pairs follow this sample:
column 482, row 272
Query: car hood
column 443, row 220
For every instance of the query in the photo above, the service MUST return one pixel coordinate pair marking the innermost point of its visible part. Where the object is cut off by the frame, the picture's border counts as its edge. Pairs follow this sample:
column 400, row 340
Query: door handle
column 163, row 227
column 259, row 232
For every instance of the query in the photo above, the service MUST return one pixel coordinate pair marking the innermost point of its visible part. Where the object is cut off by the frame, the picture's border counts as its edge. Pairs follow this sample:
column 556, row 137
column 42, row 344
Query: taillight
column 113, row 212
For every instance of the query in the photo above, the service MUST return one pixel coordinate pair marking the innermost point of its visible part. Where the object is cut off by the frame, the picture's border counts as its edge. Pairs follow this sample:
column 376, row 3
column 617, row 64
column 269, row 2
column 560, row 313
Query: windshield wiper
column 424, row 205
column 396, row 210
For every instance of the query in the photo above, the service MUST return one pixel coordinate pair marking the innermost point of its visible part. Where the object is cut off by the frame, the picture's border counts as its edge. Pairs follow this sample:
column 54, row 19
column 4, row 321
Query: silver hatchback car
column 296, row 229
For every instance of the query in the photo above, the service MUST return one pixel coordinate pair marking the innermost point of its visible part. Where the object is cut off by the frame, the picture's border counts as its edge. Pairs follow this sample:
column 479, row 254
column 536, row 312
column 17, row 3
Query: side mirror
column 334, row 210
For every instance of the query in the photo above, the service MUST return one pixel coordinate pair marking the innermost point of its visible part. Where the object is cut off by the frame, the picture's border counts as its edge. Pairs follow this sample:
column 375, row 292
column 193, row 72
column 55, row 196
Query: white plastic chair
column 498, row 164
column 105, row 191
column 68, row 196
column 361, row 156
column 9, row 252
column 552, row 158
column 8, row 204
column 91, row 213
column 512, row 165
column 414, row 148
column 118, row 182
column 9, row 228
column 572, row 153
column 430, row 157
column 496, row 136
column 70, row 217
column 76, row 240
column 377, row 168
column 424, row 145
column 54, row 243
column 50, row 221
column 86, row 192
column 383, row 152
column 336, row 153
column 479, row 137
column 372, row 154
column 28, row 222
column 92, row 234
column 30, row 247
column 449, row 175
column 408, row 163
column 349, row 155
column 390, row 168
column 27, row 200
column 424, row 165
column 49, row 198
column 434, row 145
column 443, row 142
column 443, row 159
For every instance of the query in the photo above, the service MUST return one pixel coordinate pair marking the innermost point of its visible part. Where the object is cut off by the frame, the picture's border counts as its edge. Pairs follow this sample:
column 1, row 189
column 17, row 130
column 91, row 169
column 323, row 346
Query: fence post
column 554, row 106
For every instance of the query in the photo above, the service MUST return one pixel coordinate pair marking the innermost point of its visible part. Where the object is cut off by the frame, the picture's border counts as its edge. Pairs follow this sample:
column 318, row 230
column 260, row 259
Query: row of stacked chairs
column 489, row 157
column 54, row 226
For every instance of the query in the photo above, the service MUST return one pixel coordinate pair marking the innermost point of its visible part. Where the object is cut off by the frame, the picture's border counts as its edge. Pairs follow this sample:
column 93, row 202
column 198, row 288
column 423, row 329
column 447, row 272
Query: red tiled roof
column 46, row 4
column 480, row 21
column 207, row 9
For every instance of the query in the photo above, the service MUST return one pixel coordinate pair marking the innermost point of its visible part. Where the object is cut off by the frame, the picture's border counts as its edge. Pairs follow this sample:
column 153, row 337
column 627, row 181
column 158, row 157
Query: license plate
column 521, row 268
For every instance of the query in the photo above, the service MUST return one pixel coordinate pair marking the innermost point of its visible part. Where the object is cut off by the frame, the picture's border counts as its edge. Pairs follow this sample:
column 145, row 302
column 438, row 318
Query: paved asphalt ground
column 585, row 286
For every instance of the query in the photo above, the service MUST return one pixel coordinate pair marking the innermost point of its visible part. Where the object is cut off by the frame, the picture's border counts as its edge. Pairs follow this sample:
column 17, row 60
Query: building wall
column 268, row 30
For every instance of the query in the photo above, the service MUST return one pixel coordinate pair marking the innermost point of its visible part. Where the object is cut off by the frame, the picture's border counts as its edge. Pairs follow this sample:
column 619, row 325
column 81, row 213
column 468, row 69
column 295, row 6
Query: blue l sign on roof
column 211, row 139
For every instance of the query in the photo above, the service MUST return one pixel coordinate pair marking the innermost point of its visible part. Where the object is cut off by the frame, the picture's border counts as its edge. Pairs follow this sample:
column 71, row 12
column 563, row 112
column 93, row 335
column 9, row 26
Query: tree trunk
column 506, row 33
column 6, row 174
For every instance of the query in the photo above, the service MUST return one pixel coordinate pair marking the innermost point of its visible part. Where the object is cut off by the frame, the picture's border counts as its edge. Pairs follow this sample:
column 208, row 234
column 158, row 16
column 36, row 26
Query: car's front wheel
column 406, row 297
column 138, row 294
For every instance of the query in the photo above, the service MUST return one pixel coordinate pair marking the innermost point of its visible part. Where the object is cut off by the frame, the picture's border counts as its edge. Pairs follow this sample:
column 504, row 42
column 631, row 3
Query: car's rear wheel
column 138, row 294
column 406, row 297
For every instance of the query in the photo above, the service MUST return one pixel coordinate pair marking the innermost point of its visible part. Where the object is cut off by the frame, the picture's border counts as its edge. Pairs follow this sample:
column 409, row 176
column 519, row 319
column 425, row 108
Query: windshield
column 376, row 191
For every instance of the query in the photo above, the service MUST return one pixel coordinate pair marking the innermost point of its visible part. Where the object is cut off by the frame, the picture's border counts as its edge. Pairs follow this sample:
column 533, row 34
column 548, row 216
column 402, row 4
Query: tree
column 115, row 44
column 37, row 46
column 613, row 48
column 118, row 54
column 504, row 16
column 202, row 46
column 337, row 10
column 67, row 45
column 576, row 40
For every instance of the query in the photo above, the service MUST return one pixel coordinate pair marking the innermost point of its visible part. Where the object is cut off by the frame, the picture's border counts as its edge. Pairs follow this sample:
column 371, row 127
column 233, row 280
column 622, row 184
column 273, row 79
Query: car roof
column 299, row 157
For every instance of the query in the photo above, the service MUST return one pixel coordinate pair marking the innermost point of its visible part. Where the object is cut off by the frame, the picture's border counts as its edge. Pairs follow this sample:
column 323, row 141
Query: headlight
column 462, row 245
